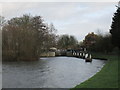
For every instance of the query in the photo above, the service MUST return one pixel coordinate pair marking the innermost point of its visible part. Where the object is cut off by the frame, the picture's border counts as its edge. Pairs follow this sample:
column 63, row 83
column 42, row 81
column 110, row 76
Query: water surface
column 53, row 72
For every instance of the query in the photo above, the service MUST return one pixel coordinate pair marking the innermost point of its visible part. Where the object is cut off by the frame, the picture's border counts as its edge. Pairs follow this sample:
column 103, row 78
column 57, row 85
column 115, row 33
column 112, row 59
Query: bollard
column 83, row 55
column 88, row 58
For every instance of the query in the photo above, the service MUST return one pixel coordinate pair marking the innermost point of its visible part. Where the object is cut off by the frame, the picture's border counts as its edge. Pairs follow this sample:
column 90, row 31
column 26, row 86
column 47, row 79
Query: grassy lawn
column 107, row 77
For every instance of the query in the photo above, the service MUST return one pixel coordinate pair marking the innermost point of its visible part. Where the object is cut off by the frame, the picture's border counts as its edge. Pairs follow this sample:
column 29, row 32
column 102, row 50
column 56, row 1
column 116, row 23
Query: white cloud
column 0, row 9
column 58, row 0
column 69, row 18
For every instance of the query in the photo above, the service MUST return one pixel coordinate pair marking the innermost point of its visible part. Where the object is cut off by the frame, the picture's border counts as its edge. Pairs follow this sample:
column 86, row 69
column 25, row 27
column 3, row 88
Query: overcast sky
column 71, row 18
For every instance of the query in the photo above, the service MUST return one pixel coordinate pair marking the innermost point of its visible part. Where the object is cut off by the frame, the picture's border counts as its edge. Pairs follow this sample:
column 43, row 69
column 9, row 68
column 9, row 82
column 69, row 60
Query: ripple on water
column 53, row 72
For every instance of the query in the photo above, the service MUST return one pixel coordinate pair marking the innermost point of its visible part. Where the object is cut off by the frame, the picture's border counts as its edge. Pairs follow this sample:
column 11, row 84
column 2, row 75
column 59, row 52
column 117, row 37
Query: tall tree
column 2, row 21
column 98, row 42
column 66, row 41
column 90, row 39
column 115, row 28
column 25, row 37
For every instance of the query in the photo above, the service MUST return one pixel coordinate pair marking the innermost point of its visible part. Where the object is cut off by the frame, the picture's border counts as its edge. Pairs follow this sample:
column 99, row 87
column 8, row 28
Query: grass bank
column 107, row 77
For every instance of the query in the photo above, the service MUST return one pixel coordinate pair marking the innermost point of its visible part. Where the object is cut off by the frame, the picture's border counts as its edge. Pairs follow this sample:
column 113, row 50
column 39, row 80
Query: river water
column 53, row 72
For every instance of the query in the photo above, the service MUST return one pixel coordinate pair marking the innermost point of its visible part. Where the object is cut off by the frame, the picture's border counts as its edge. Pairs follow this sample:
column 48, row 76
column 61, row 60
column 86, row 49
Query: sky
column 73, row 18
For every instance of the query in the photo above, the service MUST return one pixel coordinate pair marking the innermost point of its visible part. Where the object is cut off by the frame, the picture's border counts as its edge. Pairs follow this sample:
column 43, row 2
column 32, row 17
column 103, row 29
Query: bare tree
column 26, row 38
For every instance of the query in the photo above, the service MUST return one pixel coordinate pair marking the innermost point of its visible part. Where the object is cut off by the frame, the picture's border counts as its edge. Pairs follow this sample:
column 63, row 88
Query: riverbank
column 107, row 77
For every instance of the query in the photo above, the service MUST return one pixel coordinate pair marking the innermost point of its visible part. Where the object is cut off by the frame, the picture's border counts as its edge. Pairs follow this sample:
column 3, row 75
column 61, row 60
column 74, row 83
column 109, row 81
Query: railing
column 76, row 53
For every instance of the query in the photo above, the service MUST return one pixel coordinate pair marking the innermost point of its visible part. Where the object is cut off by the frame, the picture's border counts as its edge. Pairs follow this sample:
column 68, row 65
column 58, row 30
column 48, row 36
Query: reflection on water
column 53, row 72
